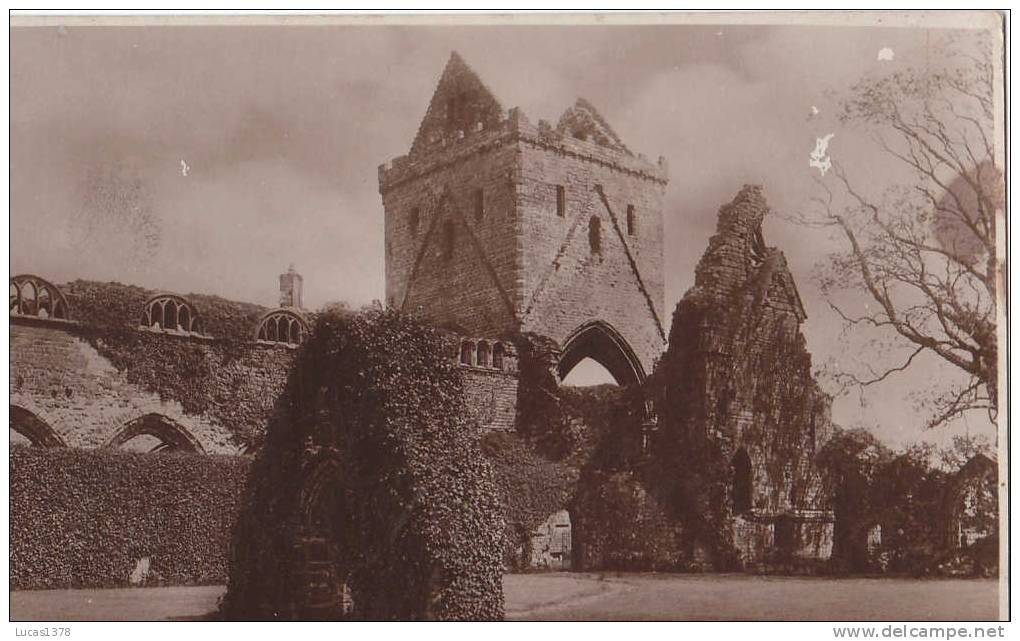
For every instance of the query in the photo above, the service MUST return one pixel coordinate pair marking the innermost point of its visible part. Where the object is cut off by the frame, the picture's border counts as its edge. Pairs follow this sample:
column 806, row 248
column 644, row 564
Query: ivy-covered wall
column 371, row 478
column 89, row 377
column 106, row 518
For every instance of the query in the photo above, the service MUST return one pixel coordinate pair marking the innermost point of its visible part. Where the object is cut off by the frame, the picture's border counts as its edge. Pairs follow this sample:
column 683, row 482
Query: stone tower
column 291, row 283
column 495, row 225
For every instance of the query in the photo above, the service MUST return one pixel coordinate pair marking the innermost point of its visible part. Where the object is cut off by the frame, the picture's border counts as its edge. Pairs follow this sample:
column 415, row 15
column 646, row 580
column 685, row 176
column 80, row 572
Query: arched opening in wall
column 607, row 351
column 155, row 433
column 28, row 429
column 327, row 594
column 33, row 296
column 588, row 373
column 17, row 438
column 145, row 444
column 972, row 503
column 742, row 489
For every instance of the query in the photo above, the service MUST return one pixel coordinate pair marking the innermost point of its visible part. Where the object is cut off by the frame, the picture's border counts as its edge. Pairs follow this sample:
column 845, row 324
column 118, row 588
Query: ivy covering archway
column 412, row 518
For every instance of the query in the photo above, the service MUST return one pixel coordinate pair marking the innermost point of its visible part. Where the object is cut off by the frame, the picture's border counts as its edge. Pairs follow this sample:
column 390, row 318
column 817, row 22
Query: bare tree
column 923, row 252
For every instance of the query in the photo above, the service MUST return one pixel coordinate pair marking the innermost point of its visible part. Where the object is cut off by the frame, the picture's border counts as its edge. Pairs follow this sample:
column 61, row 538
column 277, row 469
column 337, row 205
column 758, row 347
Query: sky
column 208, row 159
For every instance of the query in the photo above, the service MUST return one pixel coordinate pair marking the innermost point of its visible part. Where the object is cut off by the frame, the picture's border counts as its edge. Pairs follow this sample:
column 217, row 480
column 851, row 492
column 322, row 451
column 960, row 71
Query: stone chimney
column 290, row 288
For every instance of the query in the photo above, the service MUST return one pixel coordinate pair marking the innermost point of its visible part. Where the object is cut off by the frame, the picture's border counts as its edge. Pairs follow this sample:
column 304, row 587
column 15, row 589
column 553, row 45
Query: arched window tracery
column 33, row 296
column 282, row 326
column 170, row 313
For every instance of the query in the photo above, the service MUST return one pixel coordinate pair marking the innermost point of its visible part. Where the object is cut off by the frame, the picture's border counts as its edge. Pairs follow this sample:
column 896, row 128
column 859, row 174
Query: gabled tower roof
column 461, row 103
column 584, row 122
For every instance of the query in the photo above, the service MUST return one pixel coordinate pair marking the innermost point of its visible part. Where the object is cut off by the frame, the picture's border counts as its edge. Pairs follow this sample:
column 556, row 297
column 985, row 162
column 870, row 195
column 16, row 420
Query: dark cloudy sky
column 282, row 130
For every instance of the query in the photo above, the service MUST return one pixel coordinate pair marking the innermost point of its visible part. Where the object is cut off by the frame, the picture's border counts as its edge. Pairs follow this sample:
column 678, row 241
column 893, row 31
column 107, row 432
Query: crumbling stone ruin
column 738, row 373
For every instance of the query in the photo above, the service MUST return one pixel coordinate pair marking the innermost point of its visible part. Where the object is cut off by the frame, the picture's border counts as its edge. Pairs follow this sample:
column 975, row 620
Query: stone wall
column 565, row 281
column 64, row 381
column 491, row 397
column 90, row 381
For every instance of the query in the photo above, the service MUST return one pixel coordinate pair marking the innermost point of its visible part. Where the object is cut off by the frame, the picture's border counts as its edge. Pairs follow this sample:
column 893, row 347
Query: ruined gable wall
column 563, row 284
column 749, row 373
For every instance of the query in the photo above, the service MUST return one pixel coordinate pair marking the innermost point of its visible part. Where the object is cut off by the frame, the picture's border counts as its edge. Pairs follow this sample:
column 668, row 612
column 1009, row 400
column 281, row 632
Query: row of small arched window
column 481, row 354
column 34, row 296
column 169, row 312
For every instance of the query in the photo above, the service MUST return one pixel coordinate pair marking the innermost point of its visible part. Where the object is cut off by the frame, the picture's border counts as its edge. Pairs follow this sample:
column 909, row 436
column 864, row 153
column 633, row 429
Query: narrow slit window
column 631, row 220
column 415, row 220
column 595, row 235
column 561, row 200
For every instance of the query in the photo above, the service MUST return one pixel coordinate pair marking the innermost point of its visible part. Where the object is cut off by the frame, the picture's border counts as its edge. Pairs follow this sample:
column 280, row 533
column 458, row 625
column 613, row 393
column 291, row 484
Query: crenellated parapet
column 515, row 128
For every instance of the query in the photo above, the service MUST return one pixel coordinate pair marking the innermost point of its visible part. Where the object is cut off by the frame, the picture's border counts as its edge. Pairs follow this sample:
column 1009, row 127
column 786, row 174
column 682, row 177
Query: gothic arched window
column 282, row 326
column 33, row 296
column 171, row 313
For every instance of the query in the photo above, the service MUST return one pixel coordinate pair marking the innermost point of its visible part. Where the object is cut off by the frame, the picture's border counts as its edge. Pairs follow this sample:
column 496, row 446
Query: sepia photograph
column 548, row 316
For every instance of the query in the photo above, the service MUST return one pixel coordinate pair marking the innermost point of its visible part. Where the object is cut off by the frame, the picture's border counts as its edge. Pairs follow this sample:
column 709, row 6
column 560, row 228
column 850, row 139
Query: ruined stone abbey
column 495, row 227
